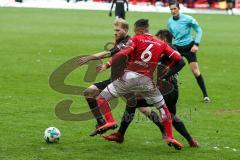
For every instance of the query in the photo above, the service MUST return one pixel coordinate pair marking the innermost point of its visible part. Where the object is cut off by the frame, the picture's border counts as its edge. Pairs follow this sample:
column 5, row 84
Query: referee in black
column 119, row 9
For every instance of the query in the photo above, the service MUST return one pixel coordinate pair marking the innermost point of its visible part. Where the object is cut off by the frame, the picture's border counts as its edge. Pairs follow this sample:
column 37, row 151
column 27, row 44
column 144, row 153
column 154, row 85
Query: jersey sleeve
column 119, row 46
column 114, row 50
column 173, row 55
column 132, row 42
column 168, row 26
column 196, row 27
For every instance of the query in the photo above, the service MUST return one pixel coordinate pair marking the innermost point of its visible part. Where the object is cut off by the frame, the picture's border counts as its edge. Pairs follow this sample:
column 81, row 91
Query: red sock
column 105, row 109
column 167, row 121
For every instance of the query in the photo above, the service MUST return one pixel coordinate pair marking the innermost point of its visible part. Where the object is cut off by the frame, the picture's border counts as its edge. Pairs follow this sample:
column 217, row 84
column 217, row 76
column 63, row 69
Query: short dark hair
column 174, row 3
column 142, row 23
column 164, row 33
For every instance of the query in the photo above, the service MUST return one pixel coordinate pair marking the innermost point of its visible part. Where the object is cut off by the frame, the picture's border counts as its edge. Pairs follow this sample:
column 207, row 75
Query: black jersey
column 119, row 45
column 119, row 66
column 114, row 70
column 119, row 9
column 120, row 5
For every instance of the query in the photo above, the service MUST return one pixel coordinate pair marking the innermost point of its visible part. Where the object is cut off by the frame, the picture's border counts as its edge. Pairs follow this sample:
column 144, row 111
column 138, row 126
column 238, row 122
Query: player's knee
column 195, row 71
column 90, row 93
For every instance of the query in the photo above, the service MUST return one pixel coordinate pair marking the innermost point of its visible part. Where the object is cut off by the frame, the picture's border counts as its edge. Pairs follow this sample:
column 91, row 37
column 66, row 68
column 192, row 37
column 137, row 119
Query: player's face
column 137, row 30
column 119, row 32
column 174, row 10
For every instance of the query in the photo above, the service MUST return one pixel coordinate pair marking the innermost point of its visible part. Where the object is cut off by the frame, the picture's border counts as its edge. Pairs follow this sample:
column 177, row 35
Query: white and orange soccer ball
column 52, row 135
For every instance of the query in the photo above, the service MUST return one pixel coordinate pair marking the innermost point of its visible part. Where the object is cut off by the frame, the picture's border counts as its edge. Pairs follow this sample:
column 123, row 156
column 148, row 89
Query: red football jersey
column 144, row 52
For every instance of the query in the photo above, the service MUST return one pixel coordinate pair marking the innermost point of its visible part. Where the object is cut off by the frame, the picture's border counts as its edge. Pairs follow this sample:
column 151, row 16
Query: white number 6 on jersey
column 147, row 54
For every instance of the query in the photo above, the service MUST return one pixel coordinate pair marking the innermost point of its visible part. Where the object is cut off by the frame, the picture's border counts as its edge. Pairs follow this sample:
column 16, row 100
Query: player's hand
column 83, row 60
column 110, row 14
column 194, row 49
column 101, row 68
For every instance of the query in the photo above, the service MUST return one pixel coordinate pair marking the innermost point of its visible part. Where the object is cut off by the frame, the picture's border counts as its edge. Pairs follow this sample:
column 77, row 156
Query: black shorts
column 142, row 103
column 185, row 51
column 103, row 84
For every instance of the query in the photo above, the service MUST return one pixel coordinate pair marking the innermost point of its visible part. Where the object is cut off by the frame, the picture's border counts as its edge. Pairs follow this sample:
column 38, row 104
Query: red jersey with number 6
column 144, row 52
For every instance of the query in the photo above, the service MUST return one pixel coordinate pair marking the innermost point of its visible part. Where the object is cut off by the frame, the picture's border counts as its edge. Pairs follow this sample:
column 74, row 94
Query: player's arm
column 95, row 56
column 196, row 27
column 103, row 67
column 175, row 69
column 110, row 12
column 177, row 63
column 122, row 54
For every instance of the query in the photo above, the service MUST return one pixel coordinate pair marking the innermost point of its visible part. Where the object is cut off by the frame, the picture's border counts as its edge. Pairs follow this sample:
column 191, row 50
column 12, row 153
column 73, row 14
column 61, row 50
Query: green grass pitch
column 34, row 42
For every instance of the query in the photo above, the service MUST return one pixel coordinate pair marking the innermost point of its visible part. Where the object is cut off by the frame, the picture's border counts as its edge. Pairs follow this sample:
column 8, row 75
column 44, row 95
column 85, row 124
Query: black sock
column 95, row 110
column 180, row 127
column 156, row 120
column 126, row 119
column 202, row 85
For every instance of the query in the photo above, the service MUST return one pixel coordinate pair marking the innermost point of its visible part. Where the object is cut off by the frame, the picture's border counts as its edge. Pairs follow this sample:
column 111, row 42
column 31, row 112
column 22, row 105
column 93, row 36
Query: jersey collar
column 177, row 18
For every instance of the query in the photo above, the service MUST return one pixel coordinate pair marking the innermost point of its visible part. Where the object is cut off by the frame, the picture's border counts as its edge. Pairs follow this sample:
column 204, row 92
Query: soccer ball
column 52, row 135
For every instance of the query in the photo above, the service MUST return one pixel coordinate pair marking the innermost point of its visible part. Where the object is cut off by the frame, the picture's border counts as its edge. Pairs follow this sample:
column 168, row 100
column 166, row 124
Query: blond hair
column 121, row 22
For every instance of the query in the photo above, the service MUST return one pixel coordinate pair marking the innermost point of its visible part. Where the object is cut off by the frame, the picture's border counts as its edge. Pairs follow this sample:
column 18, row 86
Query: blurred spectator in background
column 210, row 3
column 18, row 1
column 230, row 5
column 119, row 9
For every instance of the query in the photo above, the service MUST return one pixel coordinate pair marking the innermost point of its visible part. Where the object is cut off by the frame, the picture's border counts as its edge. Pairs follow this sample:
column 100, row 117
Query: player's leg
column 192, row 60
column 123, row 15
column 119, row 87
column 153, row 96
column 126, row 120
column 152, row 115
column 117, row 14
column 196, row 72
column 180, row 127
column 167, row 121
column 103, row 104
column 128, row 117
column 129, row 81
column 90, row 95
column 171, row 101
